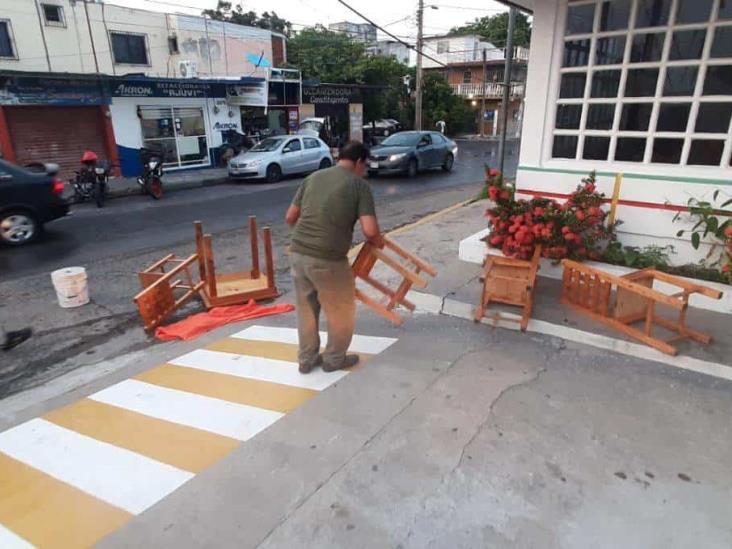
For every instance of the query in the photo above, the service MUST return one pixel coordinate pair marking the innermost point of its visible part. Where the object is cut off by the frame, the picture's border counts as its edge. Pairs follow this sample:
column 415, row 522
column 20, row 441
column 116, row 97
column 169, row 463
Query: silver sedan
column 274, row 157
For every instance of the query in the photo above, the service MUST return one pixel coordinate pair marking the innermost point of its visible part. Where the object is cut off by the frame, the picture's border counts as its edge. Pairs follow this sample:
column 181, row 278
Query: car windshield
column 402, row 140
column 267, row 145
column 313, row 125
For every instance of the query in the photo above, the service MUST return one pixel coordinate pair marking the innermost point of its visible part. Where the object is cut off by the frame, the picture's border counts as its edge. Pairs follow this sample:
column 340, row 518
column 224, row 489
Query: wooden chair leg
column 254, row 239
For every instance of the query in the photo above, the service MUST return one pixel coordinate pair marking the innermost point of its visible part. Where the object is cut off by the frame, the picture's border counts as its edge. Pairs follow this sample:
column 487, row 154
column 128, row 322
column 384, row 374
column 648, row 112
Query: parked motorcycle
column 151, row 180
column 92, row 180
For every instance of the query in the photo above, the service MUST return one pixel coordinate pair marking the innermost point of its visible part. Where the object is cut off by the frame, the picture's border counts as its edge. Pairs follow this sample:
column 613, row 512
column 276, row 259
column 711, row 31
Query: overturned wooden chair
column 220, row 290
column 621, row 301
column 405, row 264
column 166, row 286
column 510, row 281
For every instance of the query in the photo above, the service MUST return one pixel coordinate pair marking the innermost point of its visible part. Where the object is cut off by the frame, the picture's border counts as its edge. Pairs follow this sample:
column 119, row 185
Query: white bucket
column 71, row 286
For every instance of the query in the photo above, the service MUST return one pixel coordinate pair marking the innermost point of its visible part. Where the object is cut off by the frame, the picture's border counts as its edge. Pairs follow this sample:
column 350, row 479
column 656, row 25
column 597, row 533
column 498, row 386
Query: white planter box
column 474, row 250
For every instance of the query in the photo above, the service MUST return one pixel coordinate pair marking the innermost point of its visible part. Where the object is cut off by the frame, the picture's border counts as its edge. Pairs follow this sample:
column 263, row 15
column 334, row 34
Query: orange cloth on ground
column 198, row 324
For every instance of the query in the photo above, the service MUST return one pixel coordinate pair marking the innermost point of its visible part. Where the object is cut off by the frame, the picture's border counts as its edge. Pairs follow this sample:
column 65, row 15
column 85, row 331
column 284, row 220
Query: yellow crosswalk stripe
column 253, row 392
column 184, row 447
column 49, row 513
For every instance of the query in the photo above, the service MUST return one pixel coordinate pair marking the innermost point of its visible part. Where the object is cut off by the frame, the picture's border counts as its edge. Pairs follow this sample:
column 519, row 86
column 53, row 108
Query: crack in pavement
column 373, row 437
column 490, row 414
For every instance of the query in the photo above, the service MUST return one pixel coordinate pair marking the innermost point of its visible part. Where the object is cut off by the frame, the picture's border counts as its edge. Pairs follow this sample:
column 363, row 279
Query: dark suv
column 29, row 197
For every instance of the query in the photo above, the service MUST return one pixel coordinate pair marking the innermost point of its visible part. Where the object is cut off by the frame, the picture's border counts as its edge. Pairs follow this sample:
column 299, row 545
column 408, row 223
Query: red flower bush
column 574, row 229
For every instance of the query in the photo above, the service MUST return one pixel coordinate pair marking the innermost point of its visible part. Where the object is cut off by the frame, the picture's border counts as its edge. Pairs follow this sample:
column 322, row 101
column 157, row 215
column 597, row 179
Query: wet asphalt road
column 134, row 224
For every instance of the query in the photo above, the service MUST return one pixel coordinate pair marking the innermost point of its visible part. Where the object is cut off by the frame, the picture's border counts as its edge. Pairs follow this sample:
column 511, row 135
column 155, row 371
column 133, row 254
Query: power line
column 448, row 6
column 419, row 52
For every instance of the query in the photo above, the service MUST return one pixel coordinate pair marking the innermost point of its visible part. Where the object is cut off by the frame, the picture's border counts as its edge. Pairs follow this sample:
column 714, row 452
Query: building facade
column 449, row 49
column 77, row 76
column 638, row 87
column 390, row 48
column 361, row 32
column 469, row 82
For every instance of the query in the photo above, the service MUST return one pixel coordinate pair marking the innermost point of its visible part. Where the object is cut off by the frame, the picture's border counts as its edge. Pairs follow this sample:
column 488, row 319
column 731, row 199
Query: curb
column 421, row 221
column 170, row 188
column 434, row 304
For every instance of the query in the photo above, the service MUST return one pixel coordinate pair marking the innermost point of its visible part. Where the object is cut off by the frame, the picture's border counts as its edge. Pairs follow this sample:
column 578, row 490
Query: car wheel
column 18, row 227
column 325, row 163
column 274, row 173
column 412, row 168
column 449, row 161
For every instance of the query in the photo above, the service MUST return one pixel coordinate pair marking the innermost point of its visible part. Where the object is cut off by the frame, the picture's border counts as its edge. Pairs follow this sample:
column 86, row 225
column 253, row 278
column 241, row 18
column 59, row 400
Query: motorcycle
column 92, row 180
column 151, row 179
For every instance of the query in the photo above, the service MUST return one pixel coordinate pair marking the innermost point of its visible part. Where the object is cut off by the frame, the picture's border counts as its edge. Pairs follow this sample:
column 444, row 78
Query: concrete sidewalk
column 456, row 435
column 456, row 291
column 172, row 181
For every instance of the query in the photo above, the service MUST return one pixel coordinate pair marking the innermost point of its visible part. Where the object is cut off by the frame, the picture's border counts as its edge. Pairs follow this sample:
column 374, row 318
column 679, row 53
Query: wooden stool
column 235, row 288
column 409, row 270
column 157, row 301
column 589, row 291
column 511, row 281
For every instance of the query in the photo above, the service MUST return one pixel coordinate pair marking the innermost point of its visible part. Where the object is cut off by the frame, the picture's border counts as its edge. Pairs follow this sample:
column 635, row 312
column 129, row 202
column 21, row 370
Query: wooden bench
column 621, row 301
column 511, row 281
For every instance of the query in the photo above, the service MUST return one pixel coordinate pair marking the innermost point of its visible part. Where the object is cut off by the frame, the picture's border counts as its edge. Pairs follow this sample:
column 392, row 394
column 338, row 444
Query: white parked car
column 274, row 157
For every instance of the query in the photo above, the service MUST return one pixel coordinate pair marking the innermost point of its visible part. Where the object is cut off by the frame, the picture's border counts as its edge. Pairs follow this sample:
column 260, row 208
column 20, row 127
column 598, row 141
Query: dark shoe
column 13, row 339
column 307, row 368
column 350, row 360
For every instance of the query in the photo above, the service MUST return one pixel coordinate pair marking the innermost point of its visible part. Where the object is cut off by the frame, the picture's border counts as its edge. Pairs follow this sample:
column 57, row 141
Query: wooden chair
column 158, row 301
column 590, row 292
column 235, row 288
column 511, row 281
column 409, row 270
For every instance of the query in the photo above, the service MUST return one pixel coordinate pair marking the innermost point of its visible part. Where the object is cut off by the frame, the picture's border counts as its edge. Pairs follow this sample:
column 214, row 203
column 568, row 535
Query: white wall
column 126, row 124
column 231, row 47
column 652, row 188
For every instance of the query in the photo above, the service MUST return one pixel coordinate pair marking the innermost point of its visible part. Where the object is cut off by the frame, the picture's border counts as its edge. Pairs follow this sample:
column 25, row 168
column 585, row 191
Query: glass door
column 178, row 134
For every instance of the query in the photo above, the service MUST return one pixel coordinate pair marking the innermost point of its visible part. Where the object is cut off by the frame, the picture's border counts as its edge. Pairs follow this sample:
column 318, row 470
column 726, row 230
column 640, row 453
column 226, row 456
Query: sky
column 397, row 16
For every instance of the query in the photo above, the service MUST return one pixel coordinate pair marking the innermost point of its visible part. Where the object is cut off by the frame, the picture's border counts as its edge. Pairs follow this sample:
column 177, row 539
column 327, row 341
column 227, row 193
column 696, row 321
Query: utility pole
column 507, row 69
column 482, row 100
column 418, row 85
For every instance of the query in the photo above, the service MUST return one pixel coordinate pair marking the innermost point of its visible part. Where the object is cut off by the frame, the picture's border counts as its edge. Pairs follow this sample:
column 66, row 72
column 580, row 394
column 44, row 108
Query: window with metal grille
column 646, row 81
column 129, row 49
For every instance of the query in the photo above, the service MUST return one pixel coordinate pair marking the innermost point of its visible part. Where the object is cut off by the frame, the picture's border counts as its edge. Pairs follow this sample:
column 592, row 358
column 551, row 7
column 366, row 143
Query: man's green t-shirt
column 330, row 202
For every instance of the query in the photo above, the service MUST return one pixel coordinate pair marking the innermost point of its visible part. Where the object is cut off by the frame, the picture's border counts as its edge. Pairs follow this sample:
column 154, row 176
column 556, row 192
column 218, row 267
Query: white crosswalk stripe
column 230, row 419
column 122, row 478
column 359, row 344
column 254, row 367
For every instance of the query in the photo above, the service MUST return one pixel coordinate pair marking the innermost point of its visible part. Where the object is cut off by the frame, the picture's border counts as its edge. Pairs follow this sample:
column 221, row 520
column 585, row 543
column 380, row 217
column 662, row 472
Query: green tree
column 271, row 21
column 325, row 55
column 389, row 98
column 439, row 103
column 494, row 29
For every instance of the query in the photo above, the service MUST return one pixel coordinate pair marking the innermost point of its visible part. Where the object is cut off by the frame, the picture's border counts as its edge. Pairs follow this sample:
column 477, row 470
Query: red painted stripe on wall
column 632, row 203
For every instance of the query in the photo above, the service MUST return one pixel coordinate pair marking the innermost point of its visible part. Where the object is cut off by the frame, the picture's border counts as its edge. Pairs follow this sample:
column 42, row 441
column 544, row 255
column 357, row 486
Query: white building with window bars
column 638, row 87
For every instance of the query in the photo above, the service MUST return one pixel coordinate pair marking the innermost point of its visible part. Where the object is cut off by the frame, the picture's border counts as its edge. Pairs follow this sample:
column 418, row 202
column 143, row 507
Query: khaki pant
column 328, row 284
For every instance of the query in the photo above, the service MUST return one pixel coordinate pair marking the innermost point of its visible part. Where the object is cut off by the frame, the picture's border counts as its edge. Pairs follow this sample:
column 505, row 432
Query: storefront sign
column 51, row 91
column 223, row 126
column 331, row 95
column 174, row 89
column 249, row 95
